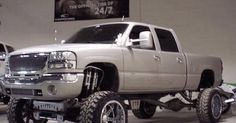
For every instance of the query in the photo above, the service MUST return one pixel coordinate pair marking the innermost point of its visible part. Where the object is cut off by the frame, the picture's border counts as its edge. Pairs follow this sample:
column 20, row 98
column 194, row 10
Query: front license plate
column 48, row 106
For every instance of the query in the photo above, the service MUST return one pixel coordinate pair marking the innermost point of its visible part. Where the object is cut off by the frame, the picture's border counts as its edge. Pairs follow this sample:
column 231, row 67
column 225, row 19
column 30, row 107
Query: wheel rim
column 113, row 112
column 216, row 106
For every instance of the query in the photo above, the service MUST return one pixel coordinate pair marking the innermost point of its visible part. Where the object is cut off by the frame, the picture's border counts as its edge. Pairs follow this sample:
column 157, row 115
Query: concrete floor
column 160, row 117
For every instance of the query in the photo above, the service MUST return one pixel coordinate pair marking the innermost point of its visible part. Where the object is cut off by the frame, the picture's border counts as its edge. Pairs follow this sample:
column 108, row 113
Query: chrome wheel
column 113, row 112
column 209, row 106
column 216, row 106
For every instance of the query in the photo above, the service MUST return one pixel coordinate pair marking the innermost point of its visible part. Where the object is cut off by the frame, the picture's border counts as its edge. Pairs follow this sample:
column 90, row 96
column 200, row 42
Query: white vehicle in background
column 88, row 78
column 5, row 49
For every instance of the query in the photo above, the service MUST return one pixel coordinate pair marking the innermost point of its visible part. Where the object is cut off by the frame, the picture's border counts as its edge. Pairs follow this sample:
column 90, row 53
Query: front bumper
column 62, row 89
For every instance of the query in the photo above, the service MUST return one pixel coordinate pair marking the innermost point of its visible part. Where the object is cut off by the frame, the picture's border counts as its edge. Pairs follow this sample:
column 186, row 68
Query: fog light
column 38, row 93
column 52, row 90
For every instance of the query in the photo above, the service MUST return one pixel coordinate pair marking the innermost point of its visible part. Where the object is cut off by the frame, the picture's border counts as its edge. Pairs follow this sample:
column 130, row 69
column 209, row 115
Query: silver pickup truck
column 106, row 69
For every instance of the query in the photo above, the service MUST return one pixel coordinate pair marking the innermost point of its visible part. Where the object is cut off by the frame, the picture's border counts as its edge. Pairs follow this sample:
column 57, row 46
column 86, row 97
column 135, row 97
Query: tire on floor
column 102, row 107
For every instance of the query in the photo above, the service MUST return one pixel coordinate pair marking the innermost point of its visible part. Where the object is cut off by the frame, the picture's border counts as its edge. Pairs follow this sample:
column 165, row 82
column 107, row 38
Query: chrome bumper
column 47, row 89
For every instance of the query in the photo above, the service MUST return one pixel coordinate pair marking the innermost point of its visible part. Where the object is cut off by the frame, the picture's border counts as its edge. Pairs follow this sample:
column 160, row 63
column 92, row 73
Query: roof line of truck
column 131, row 22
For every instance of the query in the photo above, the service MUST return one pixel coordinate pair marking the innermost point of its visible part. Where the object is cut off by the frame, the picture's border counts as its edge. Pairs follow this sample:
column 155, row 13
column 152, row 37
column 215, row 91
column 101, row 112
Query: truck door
column 172, row 69
column 140, row 65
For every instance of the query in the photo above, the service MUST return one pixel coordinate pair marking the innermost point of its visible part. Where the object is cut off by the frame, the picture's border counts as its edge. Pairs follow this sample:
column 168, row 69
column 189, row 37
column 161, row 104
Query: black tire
column 20, row 111
column 226, row 107
column 209, row 106
column 145, row 111
column 96, row 106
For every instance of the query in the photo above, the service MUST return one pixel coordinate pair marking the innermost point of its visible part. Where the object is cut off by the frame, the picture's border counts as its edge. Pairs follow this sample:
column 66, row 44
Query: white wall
column 203, row 26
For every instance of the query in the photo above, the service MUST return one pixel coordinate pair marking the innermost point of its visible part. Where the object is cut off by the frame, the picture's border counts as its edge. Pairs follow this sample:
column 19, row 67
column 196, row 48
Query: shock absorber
column 93, row 79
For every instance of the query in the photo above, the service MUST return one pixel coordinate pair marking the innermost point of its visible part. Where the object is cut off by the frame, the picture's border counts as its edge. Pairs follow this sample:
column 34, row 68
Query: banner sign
column 70, row 10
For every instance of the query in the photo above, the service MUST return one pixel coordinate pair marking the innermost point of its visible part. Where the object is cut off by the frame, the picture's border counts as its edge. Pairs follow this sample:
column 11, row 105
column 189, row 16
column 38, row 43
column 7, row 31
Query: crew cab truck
column 106, row 69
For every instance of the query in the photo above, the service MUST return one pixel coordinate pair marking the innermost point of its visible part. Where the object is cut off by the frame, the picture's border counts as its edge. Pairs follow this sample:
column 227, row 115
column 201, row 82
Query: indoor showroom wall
column 203, row 26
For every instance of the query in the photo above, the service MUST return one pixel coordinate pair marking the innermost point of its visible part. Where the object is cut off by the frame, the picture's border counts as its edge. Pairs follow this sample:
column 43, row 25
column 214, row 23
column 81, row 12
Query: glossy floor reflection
column 160, row 117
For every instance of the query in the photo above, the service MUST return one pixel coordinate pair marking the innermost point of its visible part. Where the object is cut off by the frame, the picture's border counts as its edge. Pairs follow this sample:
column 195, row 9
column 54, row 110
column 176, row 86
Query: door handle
column 157, row 58
column 179, row 60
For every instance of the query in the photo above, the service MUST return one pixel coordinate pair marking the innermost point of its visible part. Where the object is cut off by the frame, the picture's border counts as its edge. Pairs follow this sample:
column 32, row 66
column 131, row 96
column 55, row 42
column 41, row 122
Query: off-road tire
column 145, row 111
column 14, row 112
column 93, row 107
column 204, row 106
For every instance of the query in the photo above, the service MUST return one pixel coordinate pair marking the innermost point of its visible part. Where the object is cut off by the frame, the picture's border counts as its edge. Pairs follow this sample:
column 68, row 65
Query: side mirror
column 2, row 56
column 145, row 41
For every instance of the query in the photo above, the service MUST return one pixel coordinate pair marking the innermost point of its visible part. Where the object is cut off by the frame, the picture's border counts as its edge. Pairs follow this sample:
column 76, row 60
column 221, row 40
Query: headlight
column 62, row 60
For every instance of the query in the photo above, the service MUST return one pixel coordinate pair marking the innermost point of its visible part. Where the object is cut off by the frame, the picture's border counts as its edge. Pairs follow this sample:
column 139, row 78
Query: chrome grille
column 28, row 62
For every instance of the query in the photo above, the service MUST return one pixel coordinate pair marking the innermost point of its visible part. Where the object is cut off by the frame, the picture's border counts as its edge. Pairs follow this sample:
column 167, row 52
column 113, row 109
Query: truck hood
column 61, row 47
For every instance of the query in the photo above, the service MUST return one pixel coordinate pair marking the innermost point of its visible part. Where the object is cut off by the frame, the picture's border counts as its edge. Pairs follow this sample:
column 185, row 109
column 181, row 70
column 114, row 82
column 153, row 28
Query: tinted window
column 2, row 48
column 166, row 40
column 98, row 34
column 10, row 49
column 134, row 34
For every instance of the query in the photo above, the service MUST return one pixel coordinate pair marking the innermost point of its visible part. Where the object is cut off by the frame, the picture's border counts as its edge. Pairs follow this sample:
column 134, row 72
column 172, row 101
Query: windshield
column 106, row 34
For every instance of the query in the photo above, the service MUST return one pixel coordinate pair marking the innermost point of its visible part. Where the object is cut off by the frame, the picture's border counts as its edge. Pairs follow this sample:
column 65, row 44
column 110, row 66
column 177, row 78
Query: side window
column 166, row 40
column 10, row 49
column 134, row 34
column 2, row 48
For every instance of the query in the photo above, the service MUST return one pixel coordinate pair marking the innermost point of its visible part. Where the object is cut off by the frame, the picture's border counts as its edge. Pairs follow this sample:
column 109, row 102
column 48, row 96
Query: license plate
column 48, row 106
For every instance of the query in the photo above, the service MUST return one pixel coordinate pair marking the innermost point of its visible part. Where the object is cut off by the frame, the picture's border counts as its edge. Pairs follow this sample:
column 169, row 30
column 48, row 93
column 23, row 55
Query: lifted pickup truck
column 105, row 69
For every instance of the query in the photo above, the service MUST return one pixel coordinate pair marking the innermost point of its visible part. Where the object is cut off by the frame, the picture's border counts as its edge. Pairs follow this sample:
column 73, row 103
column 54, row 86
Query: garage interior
column 204, row 27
